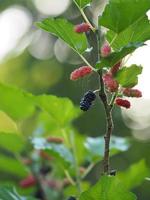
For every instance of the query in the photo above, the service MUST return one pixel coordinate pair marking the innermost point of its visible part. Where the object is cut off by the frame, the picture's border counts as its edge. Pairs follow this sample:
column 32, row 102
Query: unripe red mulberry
column 80, row 72
column 115, row 68
column 82, row 28
column 123, row 103
column 132, row 92
column 28, row 182
column 110, row 83
column 57, row 140
column 105, row 50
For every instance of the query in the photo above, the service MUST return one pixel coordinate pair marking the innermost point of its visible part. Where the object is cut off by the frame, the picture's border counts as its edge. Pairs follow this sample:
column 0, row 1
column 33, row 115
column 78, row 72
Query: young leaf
column 107, row 188
column 61, row 110
column 65, row 30
column 128, row 76
column 95, row 147
column 115, row 57
column 137, row 32
column 7, row 124
column 82, row 3
column 135, row 175
column 59, row 151
column 120, row 14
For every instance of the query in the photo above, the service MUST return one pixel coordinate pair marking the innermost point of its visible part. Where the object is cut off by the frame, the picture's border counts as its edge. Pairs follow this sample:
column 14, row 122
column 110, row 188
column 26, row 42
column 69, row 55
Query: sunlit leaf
column 61, row 110
column 137, row 32
column 128, row 76
column 107, row 188
column 65, row 30
column 15, row 102
column 7, row 124
column 135, row 175
column 120, row 14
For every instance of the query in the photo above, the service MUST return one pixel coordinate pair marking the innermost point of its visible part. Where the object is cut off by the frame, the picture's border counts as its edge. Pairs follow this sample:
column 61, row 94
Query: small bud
column 57, row 140
column 28, row 182
column 80, row 72
column 132, row 92
column 82, row 28
column 105, row 50
column 115, row 68
column 110, row 82
column 123, row 103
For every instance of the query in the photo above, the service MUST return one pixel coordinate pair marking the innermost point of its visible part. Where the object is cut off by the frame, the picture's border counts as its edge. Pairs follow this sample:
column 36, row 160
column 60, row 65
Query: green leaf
column 11, row 142
column 135, row 175
column 65, row 30
column 7, row 193
column 128, row 76
column 59, row 151
column 137, row 32
column 95, row 147
column 115, row 57
column 82, row 3
column 61, row 110
column 15, row 102
column 19, row 104
column 7, row 124
column 12, row 166
column 120, row 14
column 107, row 188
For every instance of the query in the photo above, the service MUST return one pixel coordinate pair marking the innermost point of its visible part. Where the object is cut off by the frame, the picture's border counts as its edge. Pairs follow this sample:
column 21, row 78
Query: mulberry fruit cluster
column 82, row 28
column 87, row 100
column 80, row 72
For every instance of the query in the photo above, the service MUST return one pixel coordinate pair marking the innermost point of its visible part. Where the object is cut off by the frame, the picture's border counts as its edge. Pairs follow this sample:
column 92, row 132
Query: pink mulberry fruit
column 110, row 83
column 123, row 103
column 82, row 28
column 132, row 92
column 80, row 72
column 105, row 50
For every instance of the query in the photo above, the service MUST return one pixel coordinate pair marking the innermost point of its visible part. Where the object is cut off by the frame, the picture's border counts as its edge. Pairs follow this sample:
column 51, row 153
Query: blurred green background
column 40, row 63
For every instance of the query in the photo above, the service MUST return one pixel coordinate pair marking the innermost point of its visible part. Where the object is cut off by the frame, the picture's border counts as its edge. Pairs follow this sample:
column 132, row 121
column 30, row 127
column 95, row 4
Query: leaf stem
column 84, row 16
column 113, row 39
column 86, row 19
column 89, row 168
column 78, row 179
column 69, row 177
column 84, row 59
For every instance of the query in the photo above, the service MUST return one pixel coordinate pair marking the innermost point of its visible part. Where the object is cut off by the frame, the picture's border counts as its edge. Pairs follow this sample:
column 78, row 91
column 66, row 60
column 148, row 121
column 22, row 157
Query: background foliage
column 25, row 117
